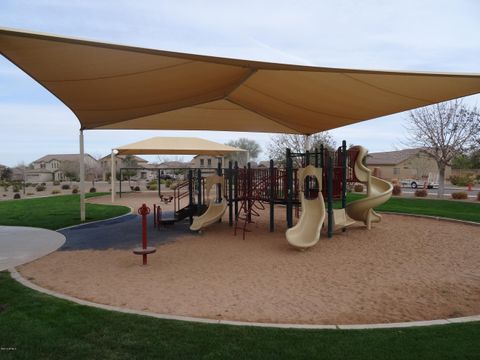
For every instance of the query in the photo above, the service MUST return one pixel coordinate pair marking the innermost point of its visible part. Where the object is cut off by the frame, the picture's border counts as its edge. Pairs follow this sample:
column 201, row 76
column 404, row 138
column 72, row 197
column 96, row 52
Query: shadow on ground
column 121, row 233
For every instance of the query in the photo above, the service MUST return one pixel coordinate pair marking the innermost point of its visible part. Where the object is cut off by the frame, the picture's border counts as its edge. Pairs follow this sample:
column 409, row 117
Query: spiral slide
column 306, row 233
column 214, row 211
column 378, row 192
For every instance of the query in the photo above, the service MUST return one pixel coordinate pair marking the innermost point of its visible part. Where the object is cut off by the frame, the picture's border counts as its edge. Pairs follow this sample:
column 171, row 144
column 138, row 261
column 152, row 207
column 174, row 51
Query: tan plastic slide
column 214, row 211
column 306, row 233
column 378, row 192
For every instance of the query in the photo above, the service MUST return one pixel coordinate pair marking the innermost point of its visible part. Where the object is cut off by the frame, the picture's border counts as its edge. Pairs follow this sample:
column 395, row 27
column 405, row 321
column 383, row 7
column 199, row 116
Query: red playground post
column 145, row 249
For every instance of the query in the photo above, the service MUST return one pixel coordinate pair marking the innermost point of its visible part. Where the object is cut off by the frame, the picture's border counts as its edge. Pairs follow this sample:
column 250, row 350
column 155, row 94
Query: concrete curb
column 19, row 278
column 440, row 218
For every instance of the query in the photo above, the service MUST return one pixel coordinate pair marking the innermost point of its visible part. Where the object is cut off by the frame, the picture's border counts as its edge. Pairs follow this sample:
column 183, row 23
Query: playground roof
column 111, row 86
column 177, row 146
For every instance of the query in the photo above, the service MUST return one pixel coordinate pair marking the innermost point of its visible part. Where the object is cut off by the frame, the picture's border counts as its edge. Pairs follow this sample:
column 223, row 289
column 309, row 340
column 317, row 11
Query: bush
column 43, row 184
column 478, row 196
column 460, row 195
column 92, row 190
column 462, row 180
column 168, row 182
column 65, row 187
column 56, row 183
column 421, row 193
column 358, row 188
column 16, row 196
column 16, row 189
column 28, row 184
column 173, row 186
column 40, row 187
column 74, row 190
column 397, row 190
column 137, row 188
column 29, row 194
column 152, row 187
column 56, row 191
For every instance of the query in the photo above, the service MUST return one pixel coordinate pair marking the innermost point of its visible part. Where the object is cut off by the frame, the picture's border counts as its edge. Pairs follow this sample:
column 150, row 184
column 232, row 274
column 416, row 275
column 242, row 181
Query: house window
column 202, row 162
column 396, row 171
column 42, row 166
column 209, row 162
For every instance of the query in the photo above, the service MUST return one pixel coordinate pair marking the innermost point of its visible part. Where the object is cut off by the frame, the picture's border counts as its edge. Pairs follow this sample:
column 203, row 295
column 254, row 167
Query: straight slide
column 306, row 233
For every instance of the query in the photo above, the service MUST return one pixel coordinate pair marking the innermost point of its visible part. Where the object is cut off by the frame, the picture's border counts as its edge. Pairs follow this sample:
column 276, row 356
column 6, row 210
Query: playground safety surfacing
column 404, row 269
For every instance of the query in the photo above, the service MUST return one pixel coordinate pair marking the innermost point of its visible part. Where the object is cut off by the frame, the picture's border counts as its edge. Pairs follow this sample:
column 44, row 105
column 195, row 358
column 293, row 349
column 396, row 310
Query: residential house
column 121, row 161
column 55, row 167
column 205, row 162
column 403, row 164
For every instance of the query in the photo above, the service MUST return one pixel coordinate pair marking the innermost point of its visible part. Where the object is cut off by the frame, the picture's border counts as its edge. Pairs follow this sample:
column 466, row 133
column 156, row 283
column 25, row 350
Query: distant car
column 415, row 184
column 166, row 177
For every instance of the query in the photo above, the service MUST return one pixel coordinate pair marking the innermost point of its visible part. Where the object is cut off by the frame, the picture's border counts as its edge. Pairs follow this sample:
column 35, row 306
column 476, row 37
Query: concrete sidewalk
column 20, row 245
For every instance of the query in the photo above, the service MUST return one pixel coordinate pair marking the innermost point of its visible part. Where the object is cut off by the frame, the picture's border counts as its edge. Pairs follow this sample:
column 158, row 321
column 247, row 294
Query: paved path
column 19, row 245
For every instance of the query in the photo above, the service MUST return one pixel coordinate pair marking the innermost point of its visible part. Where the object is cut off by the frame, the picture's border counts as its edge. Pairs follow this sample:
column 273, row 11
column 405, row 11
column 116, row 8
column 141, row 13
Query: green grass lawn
column 461, row 210
column 43, row 327
column 39, row 326
column 54, row 212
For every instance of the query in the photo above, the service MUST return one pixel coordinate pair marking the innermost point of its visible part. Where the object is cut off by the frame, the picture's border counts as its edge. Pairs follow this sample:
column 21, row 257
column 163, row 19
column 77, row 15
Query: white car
column 415, row 183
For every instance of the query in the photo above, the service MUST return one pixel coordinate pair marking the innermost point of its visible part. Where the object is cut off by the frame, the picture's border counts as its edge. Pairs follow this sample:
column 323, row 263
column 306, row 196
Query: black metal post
column 219, row 186
column 289, row 189
column 199, row 188
column 330, row 195
column 307, row 180
column 322, row 164
column 344, row 174
column 235, row 189
column 272, row 196
column 249, row 192
column 230, row 193
column 316, row 158
column 159, row 183
column 120, row 187
column 190, row 194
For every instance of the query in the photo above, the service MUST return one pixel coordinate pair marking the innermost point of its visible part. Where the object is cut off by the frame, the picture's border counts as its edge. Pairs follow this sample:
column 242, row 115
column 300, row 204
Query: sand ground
column 403, row 269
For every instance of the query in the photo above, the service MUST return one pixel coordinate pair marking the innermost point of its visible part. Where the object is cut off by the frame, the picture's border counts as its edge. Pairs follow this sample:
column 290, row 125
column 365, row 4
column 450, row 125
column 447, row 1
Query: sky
column 412, row 35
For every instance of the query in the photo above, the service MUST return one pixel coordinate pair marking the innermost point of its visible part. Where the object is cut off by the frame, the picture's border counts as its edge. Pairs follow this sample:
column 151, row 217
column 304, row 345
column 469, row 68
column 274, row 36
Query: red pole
column 144, row 211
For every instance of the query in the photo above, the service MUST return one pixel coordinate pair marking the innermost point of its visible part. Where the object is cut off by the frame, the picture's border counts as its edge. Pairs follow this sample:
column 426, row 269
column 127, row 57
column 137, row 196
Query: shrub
column 16, row 189
column 358, row 188
column 460, row 195
column 40, row 187
column 462, row 180
column 56, row 183
column 421, row 193
column 16, row 196
column 43, row 184
column 153, row 187
column 74, row 190
column 92, row 190
column 56, row 191
column 65, row 187
column 397, row 190
column 168, row 182
column 478, row 196
column 28, row 184
column 137, row 188
column 29, row 194
column 173, row 186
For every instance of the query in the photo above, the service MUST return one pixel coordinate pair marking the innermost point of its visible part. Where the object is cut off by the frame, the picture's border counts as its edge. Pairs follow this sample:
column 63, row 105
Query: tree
column 297, row 143
column 6, row 174
column 253, row 148
column 130, row 162
column 71, row 169
column 444, row 131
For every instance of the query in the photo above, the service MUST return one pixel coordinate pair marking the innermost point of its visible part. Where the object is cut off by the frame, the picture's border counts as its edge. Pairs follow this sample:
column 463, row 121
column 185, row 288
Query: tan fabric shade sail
column 121, row 87
column 176, row 146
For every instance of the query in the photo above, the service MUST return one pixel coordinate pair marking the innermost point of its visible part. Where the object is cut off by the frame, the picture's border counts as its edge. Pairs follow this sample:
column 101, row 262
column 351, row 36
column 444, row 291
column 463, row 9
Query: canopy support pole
column 82, row 178
column 113, row 175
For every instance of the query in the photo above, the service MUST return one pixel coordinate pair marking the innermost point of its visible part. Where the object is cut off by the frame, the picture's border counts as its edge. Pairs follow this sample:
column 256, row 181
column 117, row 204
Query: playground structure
column 318, row 175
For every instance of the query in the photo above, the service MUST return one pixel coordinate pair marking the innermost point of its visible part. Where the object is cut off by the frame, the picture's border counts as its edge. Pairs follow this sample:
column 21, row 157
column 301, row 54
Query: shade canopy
column 177, row 146
column 110, row 86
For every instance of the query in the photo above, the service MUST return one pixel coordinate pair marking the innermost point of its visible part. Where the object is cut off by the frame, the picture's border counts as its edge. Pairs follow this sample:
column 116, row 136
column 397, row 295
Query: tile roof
column 391, row 157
